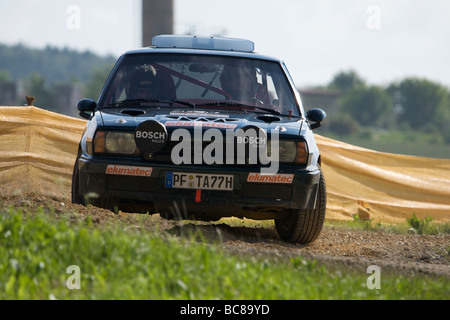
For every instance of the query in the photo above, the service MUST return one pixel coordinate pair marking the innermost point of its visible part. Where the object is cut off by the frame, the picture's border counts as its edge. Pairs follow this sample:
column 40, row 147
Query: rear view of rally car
column 203, row 128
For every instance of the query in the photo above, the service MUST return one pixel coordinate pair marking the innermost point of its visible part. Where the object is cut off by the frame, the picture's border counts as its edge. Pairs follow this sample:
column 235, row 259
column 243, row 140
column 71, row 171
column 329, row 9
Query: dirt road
column 353, row 250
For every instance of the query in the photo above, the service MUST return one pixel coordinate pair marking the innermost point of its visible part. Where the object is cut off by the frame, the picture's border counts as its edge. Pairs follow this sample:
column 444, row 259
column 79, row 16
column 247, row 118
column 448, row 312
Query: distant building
column 8, row 94
column 326, row 99
column 157, row 18
column 66, row 98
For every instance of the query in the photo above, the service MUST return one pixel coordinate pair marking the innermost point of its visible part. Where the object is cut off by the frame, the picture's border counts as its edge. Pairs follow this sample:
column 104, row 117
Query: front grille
column 231, row 154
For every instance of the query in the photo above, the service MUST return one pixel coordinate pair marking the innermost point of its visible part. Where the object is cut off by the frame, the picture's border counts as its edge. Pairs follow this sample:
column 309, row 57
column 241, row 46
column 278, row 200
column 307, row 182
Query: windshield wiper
column 278, row 113
column 273, row 111
column 223, row 104
column 236, row 104
column 135, row 101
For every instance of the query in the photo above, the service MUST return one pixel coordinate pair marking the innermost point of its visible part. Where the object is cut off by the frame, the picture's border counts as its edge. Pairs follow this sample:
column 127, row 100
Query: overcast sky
column 382, row 40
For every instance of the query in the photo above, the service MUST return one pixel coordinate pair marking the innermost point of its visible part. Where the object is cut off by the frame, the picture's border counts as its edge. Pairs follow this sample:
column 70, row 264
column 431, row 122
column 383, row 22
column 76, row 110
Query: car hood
column 130, row 118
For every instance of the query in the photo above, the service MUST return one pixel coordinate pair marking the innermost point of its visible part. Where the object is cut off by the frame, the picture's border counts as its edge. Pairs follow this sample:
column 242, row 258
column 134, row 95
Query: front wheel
column 77, row 198
column 304, row 226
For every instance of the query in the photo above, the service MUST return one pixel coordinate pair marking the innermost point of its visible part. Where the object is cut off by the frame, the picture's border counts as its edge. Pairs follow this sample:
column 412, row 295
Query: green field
column 119, row 261
column 420, row 149
column 414, row 144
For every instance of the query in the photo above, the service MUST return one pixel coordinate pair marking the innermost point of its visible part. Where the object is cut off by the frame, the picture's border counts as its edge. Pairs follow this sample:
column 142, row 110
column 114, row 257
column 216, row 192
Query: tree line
column 53, row 64
column 411, row 104
column 43, row 73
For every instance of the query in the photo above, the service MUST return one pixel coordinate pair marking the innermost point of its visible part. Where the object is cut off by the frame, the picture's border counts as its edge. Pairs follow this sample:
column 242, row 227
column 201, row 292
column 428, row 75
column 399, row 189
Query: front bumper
column 152, row 195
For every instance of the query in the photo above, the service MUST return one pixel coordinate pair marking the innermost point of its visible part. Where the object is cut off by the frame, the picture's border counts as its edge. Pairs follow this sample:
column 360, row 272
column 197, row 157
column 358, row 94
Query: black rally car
column 203, row 128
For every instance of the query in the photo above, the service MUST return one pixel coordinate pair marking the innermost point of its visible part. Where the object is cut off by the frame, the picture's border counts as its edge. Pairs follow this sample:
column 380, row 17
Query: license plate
column 198, row 181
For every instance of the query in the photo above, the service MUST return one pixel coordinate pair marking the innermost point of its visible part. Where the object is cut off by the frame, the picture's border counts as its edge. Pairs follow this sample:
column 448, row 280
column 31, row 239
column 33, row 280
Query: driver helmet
column 145, row 83
column 238, row 81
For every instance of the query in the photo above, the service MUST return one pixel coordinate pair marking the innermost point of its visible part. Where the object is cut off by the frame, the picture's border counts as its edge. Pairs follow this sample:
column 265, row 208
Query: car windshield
column 200, row 81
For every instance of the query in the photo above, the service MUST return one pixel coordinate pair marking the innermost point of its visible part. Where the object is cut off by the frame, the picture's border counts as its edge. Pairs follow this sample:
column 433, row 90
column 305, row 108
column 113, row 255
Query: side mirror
column 86, row 105
column 316, row 116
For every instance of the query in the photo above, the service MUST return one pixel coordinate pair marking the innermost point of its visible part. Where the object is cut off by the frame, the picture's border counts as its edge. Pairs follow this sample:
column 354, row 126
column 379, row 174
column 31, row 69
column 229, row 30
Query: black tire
column 304, row 226
column 77, row 198
column 110, row 204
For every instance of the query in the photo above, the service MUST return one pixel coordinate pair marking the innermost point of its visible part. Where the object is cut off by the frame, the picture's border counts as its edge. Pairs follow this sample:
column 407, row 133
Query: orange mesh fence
column 386, row 187
column 38, row 149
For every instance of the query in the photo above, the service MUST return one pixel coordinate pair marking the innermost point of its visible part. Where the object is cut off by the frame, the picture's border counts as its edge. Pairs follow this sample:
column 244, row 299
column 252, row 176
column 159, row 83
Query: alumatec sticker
column 129, row 171
column 270, row 178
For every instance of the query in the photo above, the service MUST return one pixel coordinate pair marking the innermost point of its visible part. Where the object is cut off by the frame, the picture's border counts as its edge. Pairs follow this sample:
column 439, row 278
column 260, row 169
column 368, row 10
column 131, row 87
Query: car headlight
column 115, row 143
column 291, row 151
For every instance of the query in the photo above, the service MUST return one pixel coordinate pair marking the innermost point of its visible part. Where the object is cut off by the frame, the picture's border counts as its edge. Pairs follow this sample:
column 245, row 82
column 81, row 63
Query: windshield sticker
column 199, row 114
column 200, row 124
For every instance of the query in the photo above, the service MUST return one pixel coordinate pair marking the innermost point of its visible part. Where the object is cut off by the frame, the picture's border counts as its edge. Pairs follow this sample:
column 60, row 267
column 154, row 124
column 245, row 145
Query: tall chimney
column 157, row 18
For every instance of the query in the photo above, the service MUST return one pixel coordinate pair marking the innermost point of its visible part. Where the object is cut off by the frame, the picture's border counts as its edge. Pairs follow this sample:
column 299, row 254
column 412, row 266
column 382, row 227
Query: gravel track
column 350, row 249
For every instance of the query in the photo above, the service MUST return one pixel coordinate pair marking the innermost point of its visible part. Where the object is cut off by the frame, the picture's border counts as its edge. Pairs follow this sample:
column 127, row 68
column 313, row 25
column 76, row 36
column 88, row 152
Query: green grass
column 420, row 149
column 117, row 262
column 413, row 225
column 398, row 142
